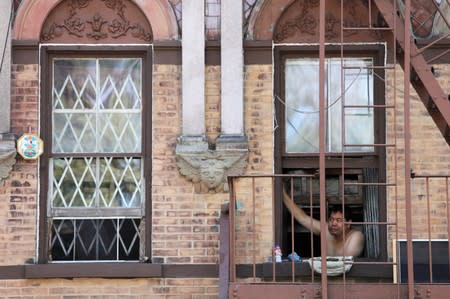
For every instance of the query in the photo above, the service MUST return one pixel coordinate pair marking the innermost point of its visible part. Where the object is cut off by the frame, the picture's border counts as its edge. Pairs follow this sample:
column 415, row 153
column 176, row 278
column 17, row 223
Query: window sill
column 109, row 270
column 284, row 271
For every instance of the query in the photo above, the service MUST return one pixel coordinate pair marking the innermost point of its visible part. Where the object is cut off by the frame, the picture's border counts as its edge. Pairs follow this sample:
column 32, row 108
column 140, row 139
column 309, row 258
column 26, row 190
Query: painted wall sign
column 30, row 146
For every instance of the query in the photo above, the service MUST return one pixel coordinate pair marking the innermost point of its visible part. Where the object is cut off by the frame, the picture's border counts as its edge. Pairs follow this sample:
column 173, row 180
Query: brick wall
column 185, row 224
column 24, row 98
column 93, row 288
column 254, row 233
column 430, row 154
column 18, row 193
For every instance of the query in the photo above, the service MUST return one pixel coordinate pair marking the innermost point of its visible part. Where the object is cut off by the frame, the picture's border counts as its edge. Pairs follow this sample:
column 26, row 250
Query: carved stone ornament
column 7, row 158
column 209, row 170
column 300, row 22
column 105, row 21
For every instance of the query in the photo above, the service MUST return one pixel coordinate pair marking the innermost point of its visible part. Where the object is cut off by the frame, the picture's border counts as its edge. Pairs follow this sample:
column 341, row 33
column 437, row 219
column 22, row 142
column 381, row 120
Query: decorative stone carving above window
column 207, row 168
column 299, row 22
column 96, row 21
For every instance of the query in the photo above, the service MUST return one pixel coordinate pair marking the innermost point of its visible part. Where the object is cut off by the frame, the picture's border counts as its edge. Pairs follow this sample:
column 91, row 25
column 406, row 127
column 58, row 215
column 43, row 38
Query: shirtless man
column 342, row 240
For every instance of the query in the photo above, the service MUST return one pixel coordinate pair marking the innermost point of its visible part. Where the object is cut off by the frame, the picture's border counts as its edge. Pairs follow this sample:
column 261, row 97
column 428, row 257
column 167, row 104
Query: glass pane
column 120, row 182
column 120, row 81
column 113, row 98
column 302, row 105
column 62, row 240
column 359, row 122
column 74, row 132
column 119, row 132
column 73, row 182
column 129, row 239
column 334, row 106
column 95, row 239
column 74, row 84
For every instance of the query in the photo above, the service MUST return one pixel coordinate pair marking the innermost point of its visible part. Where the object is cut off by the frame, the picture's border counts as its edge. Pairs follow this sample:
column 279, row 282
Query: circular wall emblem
column 30, row 146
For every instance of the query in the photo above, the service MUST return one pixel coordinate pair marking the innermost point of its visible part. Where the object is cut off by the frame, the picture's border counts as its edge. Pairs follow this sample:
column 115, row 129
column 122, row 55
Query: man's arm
column 355, row 244
column 310, row 223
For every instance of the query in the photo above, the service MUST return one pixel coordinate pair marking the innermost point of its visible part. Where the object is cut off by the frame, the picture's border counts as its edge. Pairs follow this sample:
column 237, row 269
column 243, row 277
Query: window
column 354, row 85
column 96, row 199
column 354, row 125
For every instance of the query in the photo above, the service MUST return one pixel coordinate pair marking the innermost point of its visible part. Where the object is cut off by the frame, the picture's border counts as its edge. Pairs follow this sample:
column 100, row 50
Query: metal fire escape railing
column 244, row 255
column 249, row 265
column 421, row 75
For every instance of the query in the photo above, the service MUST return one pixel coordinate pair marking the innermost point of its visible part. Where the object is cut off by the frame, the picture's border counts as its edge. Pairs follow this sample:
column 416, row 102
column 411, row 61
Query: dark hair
column 338, row 208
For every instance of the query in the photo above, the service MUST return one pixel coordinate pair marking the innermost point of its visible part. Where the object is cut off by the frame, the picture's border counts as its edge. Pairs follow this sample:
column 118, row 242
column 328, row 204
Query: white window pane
column 359, row 122
column 120, row 182
column 334, row 106
column 111, row 90
column 74, row 182
column 302, row 105
column 119, row 132
column 74, row 132
column 120, row 81
column 74, row 84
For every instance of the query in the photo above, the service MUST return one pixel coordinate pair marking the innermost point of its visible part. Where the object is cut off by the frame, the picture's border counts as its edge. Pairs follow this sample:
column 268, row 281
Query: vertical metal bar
column 97, row 237
column 310, row 232
column 75, row 230
column 448, row 221
column 292, row 232
column 273, row 227
column 232, row 230
column 394, row 116
column 224, row 253
column 253, row 229
column 323, row 224
column 342, row 95
column 430, row 259
column 118, row 238
column 406, row 136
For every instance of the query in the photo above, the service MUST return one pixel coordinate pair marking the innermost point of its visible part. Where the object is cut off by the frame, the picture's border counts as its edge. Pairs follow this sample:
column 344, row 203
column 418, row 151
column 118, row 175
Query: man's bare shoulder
column 354, row 243
column 354, row 233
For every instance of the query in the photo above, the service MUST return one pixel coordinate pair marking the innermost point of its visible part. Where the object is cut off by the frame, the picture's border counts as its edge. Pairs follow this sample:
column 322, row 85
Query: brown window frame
column 47, row 53
column 352, row 161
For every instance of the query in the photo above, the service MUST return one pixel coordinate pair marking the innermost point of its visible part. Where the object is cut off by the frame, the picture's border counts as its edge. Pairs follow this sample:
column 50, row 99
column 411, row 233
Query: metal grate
column 90, row 182
column 97, row 105
column 95, row 239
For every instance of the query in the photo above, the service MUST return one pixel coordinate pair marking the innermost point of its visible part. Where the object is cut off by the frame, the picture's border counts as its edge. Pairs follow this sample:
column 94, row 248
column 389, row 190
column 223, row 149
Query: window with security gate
column 96, row 181
column 353, row 125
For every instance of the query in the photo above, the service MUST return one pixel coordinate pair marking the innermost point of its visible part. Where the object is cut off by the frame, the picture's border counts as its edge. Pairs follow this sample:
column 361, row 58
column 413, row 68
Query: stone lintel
column 232, row 142
column 193, row 143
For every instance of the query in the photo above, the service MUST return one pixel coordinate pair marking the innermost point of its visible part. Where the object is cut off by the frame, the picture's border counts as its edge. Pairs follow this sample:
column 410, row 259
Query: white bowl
column 336, row 265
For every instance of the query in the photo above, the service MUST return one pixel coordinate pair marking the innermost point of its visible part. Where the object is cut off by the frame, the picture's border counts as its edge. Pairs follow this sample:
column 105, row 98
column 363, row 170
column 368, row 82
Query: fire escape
column 248, row 281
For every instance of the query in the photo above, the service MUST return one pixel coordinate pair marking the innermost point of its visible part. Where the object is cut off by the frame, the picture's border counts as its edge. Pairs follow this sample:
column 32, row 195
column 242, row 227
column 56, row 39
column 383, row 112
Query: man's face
column 336, row 224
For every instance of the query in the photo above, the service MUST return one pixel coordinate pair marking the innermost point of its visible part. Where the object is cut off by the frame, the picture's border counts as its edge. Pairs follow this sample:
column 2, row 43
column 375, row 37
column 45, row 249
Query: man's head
column 336, row 220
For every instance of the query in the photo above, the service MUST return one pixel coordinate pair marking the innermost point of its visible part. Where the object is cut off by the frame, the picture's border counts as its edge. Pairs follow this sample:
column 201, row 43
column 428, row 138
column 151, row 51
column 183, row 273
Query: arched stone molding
column 293, row 21
column 263, row 18
column 158, row 12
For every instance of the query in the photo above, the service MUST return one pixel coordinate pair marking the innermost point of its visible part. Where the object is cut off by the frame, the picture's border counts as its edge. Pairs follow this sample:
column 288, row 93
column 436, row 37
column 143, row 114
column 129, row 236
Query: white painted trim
column 193, row 68
column 232, row 69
